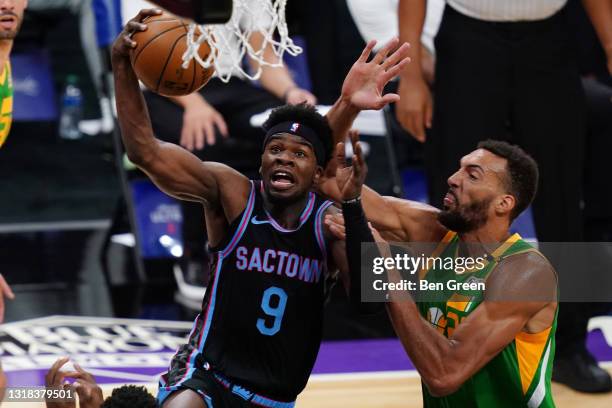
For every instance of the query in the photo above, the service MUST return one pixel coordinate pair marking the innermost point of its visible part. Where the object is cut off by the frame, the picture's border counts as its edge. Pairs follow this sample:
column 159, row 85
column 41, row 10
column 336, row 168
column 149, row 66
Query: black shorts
column 217, row 391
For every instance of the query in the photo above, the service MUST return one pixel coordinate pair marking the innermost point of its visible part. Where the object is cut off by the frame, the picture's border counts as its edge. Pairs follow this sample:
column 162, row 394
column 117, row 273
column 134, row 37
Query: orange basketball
column 158, row 57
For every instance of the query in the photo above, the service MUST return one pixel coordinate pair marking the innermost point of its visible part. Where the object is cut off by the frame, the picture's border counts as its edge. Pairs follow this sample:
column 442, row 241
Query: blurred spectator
column 12, row 15
column 507, row 70
column 99, row 23
column 572, row 329
column 333, row 43
column 378, row 21
column 220, row 110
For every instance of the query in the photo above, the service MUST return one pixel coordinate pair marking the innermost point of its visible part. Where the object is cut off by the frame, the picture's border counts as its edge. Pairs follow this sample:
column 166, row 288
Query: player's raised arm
column 364, row 85
column 172, row 168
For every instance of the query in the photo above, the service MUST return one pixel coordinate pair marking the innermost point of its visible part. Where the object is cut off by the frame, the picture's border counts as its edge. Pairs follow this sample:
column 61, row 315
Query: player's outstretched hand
column 5, row 290
column 54, row 379
column 350, row 178
column 124, row 43
column 365, row 82
column 90, row 394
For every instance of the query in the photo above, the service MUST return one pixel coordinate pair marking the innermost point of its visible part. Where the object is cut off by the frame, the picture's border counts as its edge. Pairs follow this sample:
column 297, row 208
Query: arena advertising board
column 113, row 350
column 138, row 351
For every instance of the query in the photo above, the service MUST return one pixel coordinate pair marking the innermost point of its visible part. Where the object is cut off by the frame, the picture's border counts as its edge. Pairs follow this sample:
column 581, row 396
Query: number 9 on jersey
column 272, row 296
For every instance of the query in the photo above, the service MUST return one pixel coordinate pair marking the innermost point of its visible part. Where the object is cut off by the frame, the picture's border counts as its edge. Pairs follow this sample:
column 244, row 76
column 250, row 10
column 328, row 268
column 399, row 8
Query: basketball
column 158, row 57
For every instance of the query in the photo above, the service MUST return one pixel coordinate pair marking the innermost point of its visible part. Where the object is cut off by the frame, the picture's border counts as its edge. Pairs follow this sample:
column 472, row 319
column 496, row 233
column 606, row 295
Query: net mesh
column 232, row 41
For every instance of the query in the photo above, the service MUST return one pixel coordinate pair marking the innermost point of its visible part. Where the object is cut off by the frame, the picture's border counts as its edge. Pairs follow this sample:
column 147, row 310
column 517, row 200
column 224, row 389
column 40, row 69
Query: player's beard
column 465, row 218
column 10, row 35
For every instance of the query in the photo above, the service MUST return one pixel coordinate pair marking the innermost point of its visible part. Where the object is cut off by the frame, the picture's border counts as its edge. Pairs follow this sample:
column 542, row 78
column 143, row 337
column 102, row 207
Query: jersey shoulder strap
column 237, row 227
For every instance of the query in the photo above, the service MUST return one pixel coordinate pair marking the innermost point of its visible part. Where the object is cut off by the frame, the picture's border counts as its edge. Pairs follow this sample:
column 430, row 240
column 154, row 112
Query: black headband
column 304, row 131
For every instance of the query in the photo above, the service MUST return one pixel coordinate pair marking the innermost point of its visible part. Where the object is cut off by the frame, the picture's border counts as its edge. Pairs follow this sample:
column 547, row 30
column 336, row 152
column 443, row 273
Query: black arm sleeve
column 357, row 231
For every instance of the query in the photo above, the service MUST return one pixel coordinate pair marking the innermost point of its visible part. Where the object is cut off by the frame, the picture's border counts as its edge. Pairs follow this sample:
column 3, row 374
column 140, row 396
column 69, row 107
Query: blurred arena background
column 100, row 261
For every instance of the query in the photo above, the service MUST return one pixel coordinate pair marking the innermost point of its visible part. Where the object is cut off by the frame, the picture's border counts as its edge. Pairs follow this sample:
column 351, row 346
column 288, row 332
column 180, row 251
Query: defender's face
column 288, row 167
column 11, row 17
column 473, row 190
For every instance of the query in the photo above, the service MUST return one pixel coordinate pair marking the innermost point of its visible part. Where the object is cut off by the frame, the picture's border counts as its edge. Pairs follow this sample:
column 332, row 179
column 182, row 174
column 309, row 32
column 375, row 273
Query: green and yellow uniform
column 520, row 375
column 6, row 102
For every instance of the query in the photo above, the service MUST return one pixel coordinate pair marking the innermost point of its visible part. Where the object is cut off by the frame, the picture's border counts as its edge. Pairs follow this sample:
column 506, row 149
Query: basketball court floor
column 364, row 373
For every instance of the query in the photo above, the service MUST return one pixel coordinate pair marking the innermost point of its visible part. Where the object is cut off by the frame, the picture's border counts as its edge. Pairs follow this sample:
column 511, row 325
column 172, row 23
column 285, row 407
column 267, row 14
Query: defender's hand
column 124, row 44
column 199, row 122
column 415, row 106
column 364, row 84
column 350, row 179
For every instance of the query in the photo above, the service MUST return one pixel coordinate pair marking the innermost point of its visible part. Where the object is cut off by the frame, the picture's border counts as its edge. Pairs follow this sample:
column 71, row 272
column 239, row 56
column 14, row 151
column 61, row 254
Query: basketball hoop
column 249, row 16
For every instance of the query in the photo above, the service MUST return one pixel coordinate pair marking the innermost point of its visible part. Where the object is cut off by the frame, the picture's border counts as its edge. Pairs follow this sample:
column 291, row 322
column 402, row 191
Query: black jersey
column 261, row 319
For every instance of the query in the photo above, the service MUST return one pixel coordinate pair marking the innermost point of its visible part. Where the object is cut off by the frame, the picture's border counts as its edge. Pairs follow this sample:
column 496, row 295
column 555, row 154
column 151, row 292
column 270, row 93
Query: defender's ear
column 505, row 204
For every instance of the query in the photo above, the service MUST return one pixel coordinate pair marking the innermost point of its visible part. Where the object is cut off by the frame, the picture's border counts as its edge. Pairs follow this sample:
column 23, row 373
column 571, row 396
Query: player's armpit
column 181, row 174
column 495, row 323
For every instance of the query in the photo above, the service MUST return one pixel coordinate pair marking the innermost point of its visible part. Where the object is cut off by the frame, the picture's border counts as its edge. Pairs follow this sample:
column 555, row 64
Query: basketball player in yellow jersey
column 11, row 16
column 491, row 348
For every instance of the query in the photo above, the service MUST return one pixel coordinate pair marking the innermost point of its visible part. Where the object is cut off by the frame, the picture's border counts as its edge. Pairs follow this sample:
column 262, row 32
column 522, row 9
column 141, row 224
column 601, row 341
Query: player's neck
column 5, row 51
column 287, row 215
column 484, row 239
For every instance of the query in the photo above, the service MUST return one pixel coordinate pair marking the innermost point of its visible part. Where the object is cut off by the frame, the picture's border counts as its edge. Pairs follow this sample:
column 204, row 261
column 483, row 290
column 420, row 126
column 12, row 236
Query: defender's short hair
column 522, row 173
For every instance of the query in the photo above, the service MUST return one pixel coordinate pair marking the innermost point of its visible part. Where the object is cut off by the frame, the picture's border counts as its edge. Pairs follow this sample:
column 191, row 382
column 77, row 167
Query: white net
column 257, row 28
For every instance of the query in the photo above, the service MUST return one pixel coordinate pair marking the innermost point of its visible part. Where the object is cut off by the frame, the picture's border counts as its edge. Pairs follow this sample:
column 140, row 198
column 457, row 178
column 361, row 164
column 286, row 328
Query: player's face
column 288, row 167
column 474, row 191
column 11, row 16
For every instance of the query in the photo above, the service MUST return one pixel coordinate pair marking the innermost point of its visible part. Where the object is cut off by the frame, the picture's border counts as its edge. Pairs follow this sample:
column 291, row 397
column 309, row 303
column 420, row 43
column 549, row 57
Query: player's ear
column 505, row 204
column 318, row 174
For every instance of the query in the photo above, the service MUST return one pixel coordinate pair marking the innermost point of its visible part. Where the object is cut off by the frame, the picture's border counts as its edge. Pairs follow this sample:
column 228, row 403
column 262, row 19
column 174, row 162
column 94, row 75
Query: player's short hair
column 130, row 396
column 307, row 115
column 521, row 170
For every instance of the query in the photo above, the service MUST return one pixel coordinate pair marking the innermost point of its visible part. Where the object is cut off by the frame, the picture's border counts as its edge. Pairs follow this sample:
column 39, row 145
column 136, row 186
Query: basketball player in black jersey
column 257, row 337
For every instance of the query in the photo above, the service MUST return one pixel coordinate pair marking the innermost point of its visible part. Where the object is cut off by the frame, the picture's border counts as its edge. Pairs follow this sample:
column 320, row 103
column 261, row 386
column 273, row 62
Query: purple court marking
column 361, row 356
column 141, row 366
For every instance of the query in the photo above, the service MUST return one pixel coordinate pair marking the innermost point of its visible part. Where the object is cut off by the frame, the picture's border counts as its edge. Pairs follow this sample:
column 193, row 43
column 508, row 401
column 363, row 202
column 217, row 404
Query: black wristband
column 353, row 200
